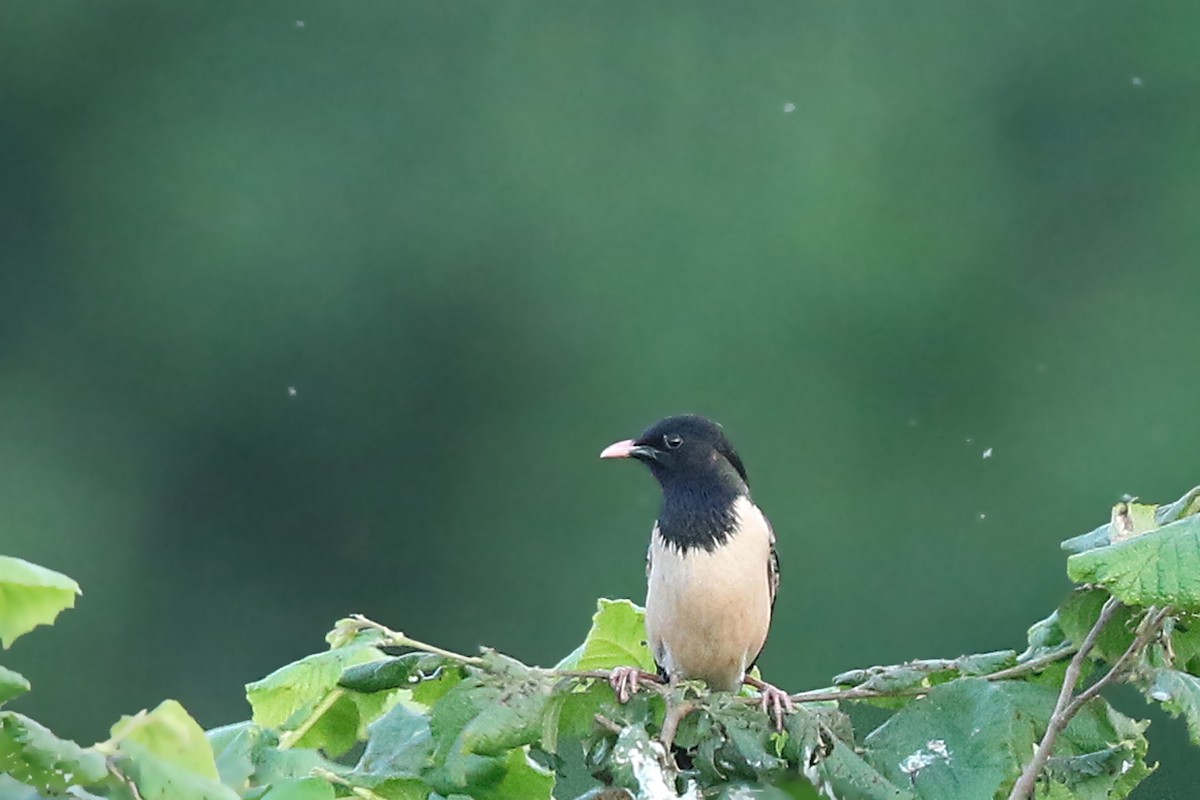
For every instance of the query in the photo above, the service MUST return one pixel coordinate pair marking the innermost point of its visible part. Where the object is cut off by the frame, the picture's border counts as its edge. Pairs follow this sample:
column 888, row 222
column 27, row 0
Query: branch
column 1069, row 704
column 857, row 693
column 853, row 693
column 357, row 791
column 397, row 639
column 1033, row 664
column 1147, row 631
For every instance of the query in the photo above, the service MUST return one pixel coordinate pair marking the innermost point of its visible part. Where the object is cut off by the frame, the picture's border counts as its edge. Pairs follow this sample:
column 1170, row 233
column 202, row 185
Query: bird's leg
column 625, row 681
column 775, row 702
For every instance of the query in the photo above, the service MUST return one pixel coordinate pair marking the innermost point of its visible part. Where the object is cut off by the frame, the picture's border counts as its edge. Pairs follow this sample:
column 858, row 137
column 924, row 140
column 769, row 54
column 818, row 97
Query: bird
column 712, row 571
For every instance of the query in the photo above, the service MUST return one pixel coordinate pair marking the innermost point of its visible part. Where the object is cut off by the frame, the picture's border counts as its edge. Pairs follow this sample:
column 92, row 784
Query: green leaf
column 1045, row 636
column 572, row 713
column 743, row 790
column 1183, row 634
column 964, row 739
column 617, row 639
column 234, row 749
column 288, row 695
column 158, row 776
column 12, row 684
column 167, row 755
column 732, row 740
column 429, row 691
column 30, row 753
column 247, row 755
column 301, row 789
column 476, row 725
column 392, row 673
column 521, row 779
column 400, row 789
column 1179, row 694
column 169, row 733
column 11, row 789
column 1100, row 754
column 1130, row 519
column 492, row 710
column 272, row 765
column 399, row 745
column 630, row 761
column 1157, row 568
column 1185, row 506
column 1079, row 613
column 830, row 763
column 1097, row 537
column 30, row 596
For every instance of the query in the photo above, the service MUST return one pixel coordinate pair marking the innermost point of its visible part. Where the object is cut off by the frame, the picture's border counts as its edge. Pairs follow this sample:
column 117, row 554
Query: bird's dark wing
column 772, row 583
column 773, row 571
column 662, row 672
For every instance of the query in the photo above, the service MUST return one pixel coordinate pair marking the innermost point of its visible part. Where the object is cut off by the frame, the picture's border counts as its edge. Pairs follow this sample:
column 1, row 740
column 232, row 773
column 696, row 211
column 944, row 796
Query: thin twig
column 398, row 639
column 856, row 693
column 605, row 722
column 1146, row 633
column 825, row 695
column 853, row 693
column 1068, row 705
column 125, row 779
column 675, row 715
column 645, row 680
column 1033, row 664
column 357, row 791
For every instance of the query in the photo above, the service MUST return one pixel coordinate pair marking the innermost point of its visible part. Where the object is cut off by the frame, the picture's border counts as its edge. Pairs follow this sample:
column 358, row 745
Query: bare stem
column 825, row 695
column 610, row 725
column 1069, row 704
column 398, row 639
column 1033, row 664
column 853, row 693
column 1147, row 631
column 357, row 791
column 675, row 715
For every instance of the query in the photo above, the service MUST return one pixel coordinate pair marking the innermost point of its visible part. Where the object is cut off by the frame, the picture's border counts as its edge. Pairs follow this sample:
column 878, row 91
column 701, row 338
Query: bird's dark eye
column 672, row 441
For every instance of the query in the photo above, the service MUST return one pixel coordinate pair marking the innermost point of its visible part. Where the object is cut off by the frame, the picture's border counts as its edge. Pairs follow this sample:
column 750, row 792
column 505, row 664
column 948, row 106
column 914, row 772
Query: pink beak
column 622, row 449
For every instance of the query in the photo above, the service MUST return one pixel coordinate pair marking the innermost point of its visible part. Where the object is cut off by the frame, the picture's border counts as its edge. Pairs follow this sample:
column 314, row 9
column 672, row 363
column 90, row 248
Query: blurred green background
column 314, row 308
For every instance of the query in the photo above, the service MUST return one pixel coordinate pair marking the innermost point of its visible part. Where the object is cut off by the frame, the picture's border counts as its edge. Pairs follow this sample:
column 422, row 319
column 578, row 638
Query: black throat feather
column 698, row 515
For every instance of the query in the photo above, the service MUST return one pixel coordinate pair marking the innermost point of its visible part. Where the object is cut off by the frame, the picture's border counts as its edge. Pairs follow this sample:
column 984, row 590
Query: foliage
column 358, row 720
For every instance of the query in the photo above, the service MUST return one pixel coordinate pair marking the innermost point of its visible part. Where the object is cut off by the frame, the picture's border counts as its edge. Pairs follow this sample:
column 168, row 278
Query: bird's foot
column 625, row 681
column 775, row 702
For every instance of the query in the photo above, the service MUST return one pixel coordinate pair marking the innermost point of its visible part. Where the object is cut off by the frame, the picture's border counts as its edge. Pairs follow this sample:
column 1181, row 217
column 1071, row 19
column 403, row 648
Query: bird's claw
column 625, row 681
column 775, row 702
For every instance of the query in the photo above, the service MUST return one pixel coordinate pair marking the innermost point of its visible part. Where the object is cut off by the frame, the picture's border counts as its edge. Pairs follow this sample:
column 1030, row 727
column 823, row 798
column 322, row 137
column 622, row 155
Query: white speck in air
column 983, row 516
column 291, row 391
column 1136, row 81
column 969, row 440
column 299, row 23
column 987, row 453
column 789, row 108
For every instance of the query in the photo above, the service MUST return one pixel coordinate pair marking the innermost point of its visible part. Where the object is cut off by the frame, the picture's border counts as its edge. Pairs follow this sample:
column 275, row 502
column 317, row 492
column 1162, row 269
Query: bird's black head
column 686, row 449
column 700, row 473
